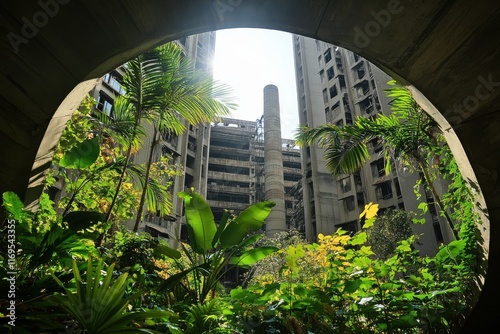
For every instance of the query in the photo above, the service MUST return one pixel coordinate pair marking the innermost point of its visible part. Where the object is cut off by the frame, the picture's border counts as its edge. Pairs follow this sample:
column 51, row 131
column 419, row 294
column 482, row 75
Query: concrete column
column 273, row 162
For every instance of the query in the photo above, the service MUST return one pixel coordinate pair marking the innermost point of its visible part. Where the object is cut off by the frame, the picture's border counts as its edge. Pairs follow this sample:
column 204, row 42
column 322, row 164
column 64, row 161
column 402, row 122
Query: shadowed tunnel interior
column 446, row 51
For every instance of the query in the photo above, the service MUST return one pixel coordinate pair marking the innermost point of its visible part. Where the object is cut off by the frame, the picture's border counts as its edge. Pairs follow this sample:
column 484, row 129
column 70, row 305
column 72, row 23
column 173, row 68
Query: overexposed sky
column 248, row 60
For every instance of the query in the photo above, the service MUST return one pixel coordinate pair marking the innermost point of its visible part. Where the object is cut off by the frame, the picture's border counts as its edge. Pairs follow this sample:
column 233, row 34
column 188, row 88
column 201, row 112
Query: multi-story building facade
column 335, row 86
column 236, row 169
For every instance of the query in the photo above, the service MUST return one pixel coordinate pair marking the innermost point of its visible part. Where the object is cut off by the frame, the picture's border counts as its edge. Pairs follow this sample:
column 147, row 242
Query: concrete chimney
column 273, row 162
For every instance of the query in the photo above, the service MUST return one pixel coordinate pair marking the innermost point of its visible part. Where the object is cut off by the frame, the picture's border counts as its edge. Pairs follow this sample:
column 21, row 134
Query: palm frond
column 99, row 305
column 158, row 197
column 120, row 125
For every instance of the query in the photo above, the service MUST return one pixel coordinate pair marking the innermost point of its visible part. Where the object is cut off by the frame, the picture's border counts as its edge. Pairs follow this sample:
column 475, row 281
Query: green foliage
column 82, row 155
column 165, row 88
column 207, row 318
column 43, row 243
column 200, row 222
column 348, row 290
column 269, row 268
column 98, row 304
column 389, row 229
column 207, row 259
column 250, row 219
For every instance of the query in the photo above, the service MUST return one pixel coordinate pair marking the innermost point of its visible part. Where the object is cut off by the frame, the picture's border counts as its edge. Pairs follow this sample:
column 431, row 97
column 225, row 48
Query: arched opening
column 407, row 42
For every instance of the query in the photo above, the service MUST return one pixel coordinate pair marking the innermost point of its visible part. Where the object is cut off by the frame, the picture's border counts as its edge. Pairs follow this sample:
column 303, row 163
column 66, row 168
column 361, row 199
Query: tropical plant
column 163, row 87
column 89, row 161
column 187, row 95
column 99, row 304
column 212, row 249
column 408, row 134
column 352, row 291
column 390, row 228
column 269, row 269
column 207, row 318
column 43, row 242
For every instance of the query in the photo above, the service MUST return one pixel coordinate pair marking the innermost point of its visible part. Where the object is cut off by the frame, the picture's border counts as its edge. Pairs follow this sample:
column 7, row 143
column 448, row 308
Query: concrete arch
column 446, row 50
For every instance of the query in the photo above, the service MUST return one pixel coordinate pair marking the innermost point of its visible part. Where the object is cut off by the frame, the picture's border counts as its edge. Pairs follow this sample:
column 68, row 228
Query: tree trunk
column 146, row 180
column 428, row 180
column 122, row 176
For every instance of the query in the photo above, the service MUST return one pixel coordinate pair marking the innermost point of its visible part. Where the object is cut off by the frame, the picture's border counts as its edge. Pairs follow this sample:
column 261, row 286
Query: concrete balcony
column 292, row 171
column 228, row 205
column 230, row 190
column 162, row 227
column 229, row 177
column 234, row 151
column 230, row 162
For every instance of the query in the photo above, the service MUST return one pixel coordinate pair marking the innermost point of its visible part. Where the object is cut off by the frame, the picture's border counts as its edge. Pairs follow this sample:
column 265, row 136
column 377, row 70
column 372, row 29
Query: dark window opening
column 349, row 204
column 190, row 162
column 331, row 73
column 342, row 82
column 328, row 55
column 292, row 164
column 378, row 168
column 229, row 169
column 348, row 118
column 233, row 198
column 333, row 91
column 384, row 191
column 360, row 197
column 437, row 232
column 236, row 184
column 105, row 103
column 345, row 184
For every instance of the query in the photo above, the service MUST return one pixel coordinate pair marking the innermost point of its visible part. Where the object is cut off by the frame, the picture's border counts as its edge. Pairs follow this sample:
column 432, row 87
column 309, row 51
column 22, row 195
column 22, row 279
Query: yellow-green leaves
column 370, row 214
column 293, row 254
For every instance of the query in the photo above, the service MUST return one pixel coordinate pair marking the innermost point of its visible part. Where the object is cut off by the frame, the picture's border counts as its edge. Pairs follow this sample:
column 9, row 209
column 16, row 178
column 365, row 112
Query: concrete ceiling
column 448, row 51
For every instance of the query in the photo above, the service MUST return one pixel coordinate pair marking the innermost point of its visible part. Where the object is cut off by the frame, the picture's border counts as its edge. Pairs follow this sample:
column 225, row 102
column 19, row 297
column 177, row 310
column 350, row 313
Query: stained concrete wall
column 273, row 163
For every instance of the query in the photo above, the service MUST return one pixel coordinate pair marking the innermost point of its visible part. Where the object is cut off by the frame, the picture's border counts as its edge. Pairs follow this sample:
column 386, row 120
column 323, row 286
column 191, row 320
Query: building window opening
column 331, row 73
column 384, row 191
column 328, row 55
column 333, row 91
column 349, row 204
column 378, row 168
column 345, row 184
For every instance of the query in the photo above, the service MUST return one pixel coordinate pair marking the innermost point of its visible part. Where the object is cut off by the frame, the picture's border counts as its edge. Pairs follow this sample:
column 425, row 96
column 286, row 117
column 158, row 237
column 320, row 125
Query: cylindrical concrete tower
column 274, row 183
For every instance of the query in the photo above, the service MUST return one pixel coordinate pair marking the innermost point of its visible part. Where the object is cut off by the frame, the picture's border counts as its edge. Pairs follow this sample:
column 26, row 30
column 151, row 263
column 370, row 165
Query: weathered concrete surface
column 448, row 50
column 273, row 162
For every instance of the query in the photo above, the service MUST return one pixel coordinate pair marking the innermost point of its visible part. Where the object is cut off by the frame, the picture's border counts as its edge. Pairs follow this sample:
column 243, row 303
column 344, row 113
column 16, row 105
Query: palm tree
column 142, row 83
column 187, row 95
column 163, row 88
column 408, row 135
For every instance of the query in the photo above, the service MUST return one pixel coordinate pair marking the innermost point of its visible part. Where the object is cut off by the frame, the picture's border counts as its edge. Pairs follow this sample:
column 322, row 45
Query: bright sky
column 248, row 60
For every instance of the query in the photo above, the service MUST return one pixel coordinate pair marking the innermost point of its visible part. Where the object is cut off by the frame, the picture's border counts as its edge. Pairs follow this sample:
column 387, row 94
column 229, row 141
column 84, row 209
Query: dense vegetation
column 78, row 270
